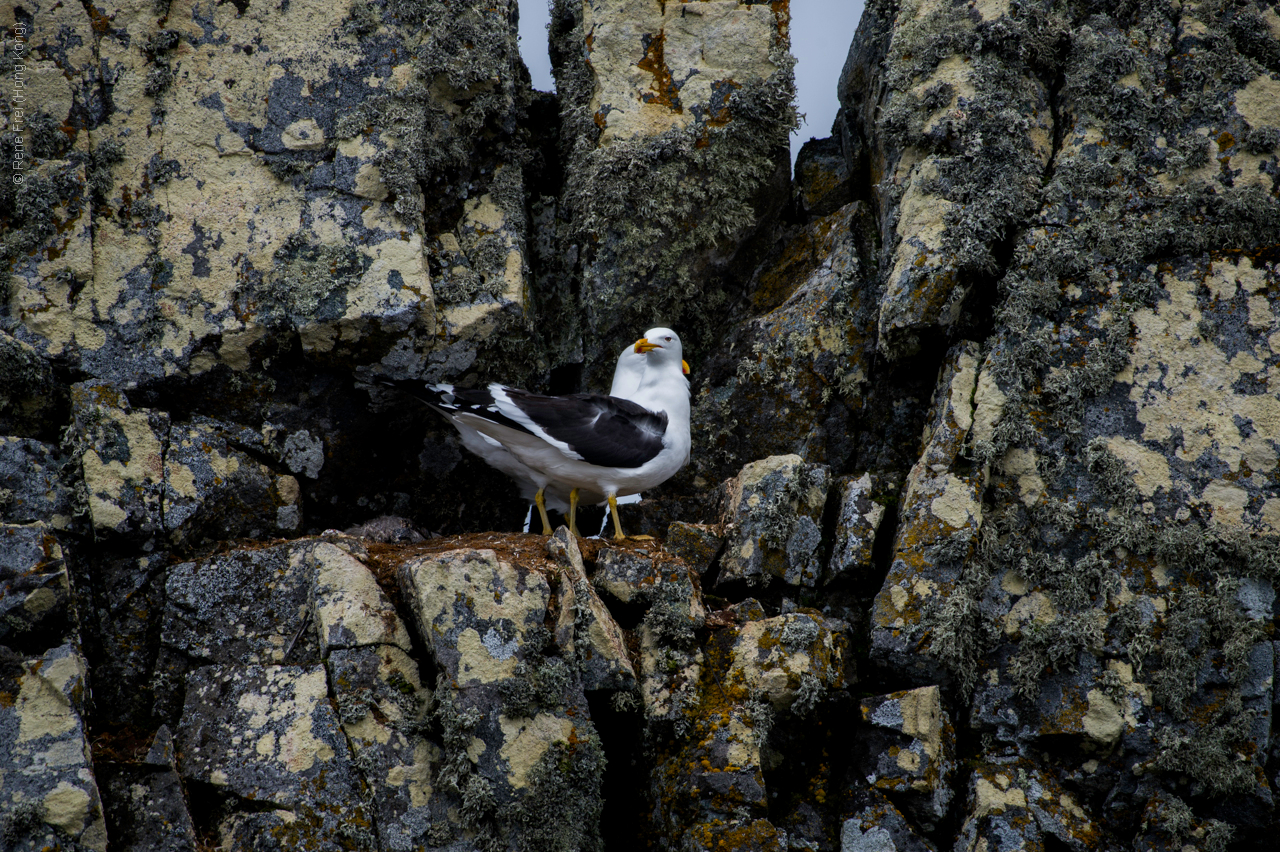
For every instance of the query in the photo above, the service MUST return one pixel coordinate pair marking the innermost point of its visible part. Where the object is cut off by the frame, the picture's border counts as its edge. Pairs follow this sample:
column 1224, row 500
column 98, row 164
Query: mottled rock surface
column 979, row 544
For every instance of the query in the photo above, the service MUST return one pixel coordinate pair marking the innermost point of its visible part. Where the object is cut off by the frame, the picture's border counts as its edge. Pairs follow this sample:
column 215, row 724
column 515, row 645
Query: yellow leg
column 617, row 525
column 541, row 503
column 573, row 512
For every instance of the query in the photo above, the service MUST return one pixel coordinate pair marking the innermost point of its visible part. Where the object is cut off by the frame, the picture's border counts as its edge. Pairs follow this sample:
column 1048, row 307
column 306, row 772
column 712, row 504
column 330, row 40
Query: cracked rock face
column 979, row 544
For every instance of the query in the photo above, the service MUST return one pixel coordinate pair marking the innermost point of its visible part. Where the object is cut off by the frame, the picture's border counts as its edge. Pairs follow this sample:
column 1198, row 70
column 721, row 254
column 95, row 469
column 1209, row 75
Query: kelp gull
column 592, row 446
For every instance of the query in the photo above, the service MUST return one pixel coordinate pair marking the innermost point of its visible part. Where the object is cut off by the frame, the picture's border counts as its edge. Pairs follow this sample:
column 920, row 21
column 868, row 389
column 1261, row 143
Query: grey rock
column 148, row 809
column 161, row 752
column 585, row 627
column 880, row 827
column 215, row 489
column 1015, row 806
column 697, row 544
column 626, row 132
column 822, row 175
column 911, row 753
column 518, row 748
column 856, row 527
column 36, row 607
column 242, row 607
column 270, row 734
column 50, row 794
column 30, row 397
column 383, row 710
column 122, row 458
column 1257, row 598
column 939, row 517
column 773, row 522
column 349, row 608
column 31, row 484
column 476, row 638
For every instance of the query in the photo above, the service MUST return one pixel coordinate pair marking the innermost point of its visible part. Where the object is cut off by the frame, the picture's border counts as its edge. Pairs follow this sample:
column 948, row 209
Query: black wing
column 604, row 430
column 446, row 399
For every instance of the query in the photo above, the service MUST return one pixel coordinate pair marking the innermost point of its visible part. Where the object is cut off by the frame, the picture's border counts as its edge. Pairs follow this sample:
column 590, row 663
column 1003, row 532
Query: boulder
column 774, row 523
column 50, row 794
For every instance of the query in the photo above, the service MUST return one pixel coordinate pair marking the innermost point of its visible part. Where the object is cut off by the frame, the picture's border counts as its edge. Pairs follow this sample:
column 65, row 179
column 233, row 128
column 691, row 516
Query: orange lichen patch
column 101, row 23
column 665, row 93
column 782, row 15
column 757, row 835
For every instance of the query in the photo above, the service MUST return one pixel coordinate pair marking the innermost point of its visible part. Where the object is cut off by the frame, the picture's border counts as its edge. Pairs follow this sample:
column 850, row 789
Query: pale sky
column 821, row 31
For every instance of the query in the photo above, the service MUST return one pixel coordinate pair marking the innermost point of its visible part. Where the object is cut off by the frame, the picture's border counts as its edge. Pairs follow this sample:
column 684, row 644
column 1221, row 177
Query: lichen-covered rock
column 520, row 757
column 147, row 810
column 793, row 661
column 50, row 794
column 697, row 544
column 914, row 763
column 122, row 458
column 36, row 607
column 1043, row 235
column 215, row 488
column 248, row 606
column 716, row 708
column 31, row 400
column 655, row 580
column 674, row 124
column 476, row 637
column 1168, row 823
column 350, row 610
column 822, row 176
column 1102, row 596
column 1016, row 806
column 191, row 481
column 32, row 488
column 856, row 527
column 585, row 625
column 269, row 734
column 773, row 522
column 792, row 375
column 880, row 827
column 938, row 521
column 383, row 708
column 182, row 280
column 959, row 132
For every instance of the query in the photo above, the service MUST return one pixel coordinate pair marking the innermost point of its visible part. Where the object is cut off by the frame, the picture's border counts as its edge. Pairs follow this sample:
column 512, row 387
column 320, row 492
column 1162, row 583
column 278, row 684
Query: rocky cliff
column 978, row 546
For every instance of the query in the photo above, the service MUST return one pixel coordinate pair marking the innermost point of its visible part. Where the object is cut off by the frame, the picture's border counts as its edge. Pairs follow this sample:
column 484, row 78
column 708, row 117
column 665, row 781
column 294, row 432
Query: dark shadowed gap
column 565, row 379
column 806, row 761
column 623, row 823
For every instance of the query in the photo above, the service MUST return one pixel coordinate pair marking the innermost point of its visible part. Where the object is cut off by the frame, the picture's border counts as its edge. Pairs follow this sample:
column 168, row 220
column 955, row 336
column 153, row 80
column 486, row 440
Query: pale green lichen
column 669, row 613
column 310, row 282
column 455, row 118
column 561, row 810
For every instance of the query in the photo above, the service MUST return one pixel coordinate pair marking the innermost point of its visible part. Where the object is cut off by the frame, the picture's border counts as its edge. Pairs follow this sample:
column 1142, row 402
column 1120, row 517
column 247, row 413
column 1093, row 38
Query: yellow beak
column 643, row 345
column 685, row 365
